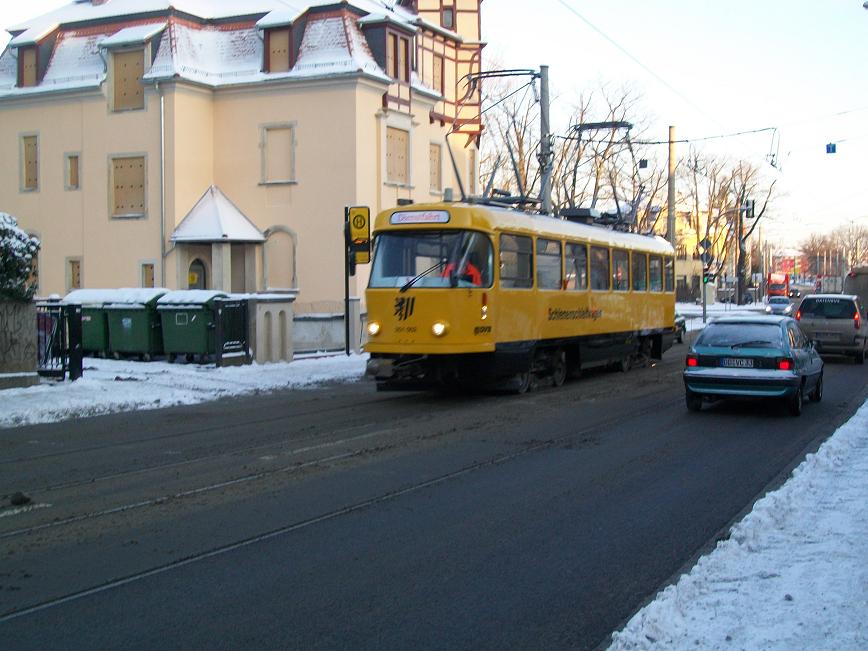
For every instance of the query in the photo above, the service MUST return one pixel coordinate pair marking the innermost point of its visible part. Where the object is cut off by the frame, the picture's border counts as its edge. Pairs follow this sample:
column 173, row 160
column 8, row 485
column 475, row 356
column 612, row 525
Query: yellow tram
column 464, row 293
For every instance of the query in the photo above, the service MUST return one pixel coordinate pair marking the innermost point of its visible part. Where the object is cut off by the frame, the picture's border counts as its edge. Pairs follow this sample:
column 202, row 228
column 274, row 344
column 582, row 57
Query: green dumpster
column 187, row 318
column 134, row 324
column 94, row 326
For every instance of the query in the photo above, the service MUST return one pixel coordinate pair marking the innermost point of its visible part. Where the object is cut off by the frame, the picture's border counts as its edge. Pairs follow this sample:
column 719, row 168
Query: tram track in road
column 319, row 410
column 301, row 466
column 526, row 448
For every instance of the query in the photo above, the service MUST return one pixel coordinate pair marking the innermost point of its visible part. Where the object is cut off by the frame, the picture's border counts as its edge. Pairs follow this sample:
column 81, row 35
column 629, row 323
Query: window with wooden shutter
column 128, row 186
column 392, row 56
column 73, row 278
column 127, row 79
column 30, row 162
column 28, row 72
column 438, row 73
column 72, row 172
column 278, row 154
column 397, row 155
column 148, row 274
column 278, row 50
column 435, row 159
column 403, row 60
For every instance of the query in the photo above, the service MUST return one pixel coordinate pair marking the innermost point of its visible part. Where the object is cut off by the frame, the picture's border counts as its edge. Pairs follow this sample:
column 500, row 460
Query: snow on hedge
column 17, row 255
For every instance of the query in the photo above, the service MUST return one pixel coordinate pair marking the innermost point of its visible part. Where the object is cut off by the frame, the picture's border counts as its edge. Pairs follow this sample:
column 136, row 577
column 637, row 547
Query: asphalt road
column 345, row 518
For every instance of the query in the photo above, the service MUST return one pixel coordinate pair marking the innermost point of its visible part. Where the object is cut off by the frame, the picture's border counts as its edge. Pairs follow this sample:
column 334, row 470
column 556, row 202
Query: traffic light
column 707, row 276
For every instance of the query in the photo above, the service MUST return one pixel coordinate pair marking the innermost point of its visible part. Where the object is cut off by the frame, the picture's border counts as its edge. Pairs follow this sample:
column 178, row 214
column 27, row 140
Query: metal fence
column 231, row 337
column 58, row 338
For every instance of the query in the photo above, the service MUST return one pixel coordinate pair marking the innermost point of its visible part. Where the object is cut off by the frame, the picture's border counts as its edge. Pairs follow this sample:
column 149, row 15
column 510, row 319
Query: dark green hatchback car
column 753, row 356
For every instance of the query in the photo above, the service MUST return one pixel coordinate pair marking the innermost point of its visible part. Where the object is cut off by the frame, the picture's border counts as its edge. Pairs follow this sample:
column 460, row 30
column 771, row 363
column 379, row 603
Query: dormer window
column 447, row 17
column 398, row 57
column 278, row 41
column 27, row 67
column 127, row 69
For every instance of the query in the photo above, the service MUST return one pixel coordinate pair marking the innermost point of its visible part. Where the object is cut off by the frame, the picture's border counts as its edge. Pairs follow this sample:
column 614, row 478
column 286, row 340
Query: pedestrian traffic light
column 707, row 276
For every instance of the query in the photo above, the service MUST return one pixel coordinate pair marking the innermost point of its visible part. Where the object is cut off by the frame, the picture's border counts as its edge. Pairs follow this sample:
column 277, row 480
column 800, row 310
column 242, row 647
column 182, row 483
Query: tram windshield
column 446, row 258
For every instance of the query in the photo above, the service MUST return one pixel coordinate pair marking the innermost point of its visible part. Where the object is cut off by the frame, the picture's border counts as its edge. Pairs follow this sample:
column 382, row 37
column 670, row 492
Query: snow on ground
column 110, row 386
column 793, row 574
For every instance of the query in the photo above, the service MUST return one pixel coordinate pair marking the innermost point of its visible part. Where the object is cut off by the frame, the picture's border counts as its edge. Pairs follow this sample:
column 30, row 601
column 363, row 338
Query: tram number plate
column 736, row 362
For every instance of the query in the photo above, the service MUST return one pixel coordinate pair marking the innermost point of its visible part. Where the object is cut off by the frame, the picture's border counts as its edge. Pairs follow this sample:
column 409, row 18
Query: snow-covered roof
column 189, row 297
column 216, row 219
column 124, row 295
column 214, row 55
column 133, row 35
column 34, row 35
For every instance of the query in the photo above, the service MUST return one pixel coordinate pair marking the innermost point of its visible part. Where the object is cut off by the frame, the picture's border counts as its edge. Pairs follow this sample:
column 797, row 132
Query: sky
column 791, row 575
column 709, row 68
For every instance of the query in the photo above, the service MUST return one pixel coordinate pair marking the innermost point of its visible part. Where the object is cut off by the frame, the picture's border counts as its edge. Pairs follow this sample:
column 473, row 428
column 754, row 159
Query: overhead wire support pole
column 545, row 143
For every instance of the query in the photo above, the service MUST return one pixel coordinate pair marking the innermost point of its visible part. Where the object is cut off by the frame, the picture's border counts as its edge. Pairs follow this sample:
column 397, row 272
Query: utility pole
column 670, row 215
column 545, row 142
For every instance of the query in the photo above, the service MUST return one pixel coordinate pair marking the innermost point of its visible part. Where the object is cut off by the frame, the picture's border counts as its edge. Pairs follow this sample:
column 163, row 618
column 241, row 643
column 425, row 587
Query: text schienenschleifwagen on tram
column 466, row 294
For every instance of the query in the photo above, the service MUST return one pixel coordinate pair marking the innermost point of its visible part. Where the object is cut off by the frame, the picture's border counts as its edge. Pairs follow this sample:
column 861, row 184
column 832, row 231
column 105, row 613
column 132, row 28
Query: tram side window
column 548, row 264
column 620, row 270
column 669, row 274
column 640, row 272
column 656, row 272
column 516, row 268
column 599, row 268
column 577, row 267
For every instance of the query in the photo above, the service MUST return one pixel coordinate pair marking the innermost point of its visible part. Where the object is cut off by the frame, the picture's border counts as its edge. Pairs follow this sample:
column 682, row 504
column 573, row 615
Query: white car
column 779, row 305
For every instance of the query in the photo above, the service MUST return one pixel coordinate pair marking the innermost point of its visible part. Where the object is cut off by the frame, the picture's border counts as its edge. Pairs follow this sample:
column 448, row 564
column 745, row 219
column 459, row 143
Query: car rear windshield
column 780, row 299
column 741, row 334
column 828, row 308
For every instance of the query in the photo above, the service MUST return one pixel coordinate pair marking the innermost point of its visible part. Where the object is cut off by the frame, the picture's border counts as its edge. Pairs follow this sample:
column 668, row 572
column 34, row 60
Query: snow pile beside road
column 110, row 386
column 793, row 575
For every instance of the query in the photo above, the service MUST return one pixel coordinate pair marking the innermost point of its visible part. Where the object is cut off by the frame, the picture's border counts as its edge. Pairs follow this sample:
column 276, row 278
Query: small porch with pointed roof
column 218, row 246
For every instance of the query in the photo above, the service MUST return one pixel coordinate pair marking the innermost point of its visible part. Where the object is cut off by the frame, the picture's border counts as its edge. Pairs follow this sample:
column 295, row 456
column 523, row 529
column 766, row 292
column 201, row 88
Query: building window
column 277, row 142
column 548, row 264
column 71, row 171
column 29, row 163
column 472, row 171
column 600, row 268
column 435, row 158
column 128, row 187
column 620, row 270
column 447, row 17
column 148, row 274
column 73, row 274
column 398, row 57
column 128, row 68
column 437, row 76
column 397, row 156
column 278, row 50
column 27, row 67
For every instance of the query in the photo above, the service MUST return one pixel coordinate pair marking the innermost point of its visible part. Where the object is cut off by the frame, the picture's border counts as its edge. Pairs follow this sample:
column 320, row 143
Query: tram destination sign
column 420, row 217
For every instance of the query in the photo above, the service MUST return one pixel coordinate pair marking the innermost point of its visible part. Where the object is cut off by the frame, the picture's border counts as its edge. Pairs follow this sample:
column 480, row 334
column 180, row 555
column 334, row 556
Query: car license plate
column 736, row 362
column 826, row 336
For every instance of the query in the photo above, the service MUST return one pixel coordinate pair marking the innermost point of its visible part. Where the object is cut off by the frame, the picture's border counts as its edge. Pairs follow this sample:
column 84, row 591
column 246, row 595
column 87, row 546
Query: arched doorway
column 196, row 278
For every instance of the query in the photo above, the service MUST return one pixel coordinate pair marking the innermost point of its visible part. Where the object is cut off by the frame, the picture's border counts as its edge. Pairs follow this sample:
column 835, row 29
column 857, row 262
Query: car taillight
column 798, row 315
column 692, row 360
column 785, row 364
column 857, row 322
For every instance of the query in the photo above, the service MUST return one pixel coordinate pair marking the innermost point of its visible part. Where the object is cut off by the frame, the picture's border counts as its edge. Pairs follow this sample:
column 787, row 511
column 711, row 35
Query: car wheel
column 795, row 403
column 860, row 357
column 693, row 400
column 817, row 393
column 680, row 338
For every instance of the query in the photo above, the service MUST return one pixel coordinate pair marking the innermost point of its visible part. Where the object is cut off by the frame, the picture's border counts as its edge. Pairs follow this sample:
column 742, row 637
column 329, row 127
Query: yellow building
column 191, row 143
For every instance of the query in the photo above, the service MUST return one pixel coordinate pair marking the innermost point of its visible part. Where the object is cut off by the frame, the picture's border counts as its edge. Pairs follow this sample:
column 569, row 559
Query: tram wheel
column 521, row 383
column 559, row 368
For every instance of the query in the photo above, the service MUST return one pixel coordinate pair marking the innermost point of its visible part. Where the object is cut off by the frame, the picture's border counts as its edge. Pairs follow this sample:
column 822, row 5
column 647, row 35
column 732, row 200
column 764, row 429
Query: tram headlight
column 439, row 328
column 373, row 329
